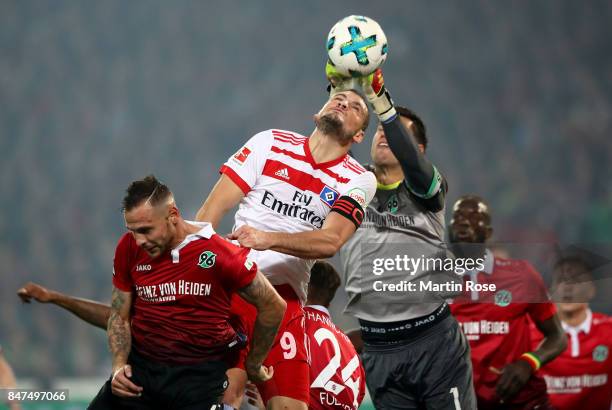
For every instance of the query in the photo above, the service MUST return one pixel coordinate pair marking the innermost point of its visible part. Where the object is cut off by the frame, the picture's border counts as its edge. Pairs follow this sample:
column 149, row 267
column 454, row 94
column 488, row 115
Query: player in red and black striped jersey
column 580, row 378
column 168, row 328
column 496, row 322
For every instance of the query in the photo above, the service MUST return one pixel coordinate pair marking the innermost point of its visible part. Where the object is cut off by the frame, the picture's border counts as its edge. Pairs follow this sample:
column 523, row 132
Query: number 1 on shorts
column 455, row 392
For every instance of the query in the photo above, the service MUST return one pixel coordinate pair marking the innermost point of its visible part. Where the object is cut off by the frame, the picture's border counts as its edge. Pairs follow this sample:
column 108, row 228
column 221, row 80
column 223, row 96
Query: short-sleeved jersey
column 287, row 191
column 580, row 377
column 497, row 324
column 337, row 377
column 182, row 297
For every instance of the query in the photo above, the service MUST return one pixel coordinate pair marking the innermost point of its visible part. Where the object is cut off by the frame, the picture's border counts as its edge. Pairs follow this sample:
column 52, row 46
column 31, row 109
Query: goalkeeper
column 415, row 353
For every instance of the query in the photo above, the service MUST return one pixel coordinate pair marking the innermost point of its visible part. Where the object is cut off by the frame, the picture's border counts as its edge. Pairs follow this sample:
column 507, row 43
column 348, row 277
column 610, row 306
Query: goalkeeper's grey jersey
column 395, row 224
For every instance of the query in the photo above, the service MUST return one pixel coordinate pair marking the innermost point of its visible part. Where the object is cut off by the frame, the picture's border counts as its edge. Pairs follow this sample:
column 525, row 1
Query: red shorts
column 288, row 355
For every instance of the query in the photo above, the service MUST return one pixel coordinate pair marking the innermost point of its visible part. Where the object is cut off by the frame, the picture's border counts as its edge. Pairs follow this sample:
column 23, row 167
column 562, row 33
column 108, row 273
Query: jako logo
column 141, row 268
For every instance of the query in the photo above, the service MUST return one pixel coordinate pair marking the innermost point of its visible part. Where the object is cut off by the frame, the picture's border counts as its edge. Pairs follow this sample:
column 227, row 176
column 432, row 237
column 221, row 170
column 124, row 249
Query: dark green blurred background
column 517, row 97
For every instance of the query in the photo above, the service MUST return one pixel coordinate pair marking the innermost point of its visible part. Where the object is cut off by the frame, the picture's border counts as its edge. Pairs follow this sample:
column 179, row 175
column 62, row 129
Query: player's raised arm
column 421, row 176
column 225, row 195
column 238, row 175
column 270, row 310
column 120, row 344
column 94, row 313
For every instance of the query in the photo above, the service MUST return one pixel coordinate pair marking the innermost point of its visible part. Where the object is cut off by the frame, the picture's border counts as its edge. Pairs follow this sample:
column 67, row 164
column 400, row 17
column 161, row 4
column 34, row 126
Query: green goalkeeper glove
column 373, row 87
column 338, row 82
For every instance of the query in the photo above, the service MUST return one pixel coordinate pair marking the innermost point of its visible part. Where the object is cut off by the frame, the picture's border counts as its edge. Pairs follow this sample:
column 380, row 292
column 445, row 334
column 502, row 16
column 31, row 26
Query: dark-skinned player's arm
column 270, row 311
column 516, row 374
column 120, row 344
column 421, row 176
column 225, row 195
column 92, row 312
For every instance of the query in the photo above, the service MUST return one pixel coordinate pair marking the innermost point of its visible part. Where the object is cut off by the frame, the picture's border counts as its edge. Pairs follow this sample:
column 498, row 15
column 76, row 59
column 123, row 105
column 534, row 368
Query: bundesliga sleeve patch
column 242, row 155
column 350, row 209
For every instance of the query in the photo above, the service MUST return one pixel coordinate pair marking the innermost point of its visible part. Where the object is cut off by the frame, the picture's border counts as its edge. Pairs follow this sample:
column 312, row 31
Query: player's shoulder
column 357, row 174
column 126, row 243
column 207, row 236
column 353, row 165
column 602, row 320
column 518, row 266
column 285, row 137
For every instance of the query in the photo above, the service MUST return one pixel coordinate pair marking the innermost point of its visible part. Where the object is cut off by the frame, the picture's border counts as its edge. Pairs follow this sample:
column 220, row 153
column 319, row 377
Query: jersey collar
column 206, row 232
column 388, row 187
column 320, row 308
column 314, row 164
column 583, row 327
column 574, row 331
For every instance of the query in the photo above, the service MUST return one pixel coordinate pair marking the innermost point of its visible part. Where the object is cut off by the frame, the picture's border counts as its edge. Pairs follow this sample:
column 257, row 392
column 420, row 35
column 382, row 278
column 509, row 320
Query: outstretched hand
column 34, row 291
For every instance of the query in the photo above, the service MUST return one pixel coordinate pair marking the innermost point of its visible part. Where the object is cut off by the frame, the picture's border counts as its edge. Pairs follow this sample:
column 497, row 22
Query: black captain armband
column 350, row 209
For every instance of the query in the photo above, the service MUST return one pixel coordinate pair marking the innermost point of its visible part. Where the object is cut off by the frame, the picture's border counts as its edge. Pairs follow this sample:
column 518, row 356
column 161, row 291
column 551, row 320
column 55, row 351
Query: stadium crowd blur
column 517, row 98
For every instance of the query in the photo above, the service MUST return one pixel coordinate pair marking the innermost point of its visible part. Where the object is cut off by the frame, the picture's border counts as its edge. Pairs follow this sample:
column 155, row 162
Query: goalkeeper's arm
column 421, row 176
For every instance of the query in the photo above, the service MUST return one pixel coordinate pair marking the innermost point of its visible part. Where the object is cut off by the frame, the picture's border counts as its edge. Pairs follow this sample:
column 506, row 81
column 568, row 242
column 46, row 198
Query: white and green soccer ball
column 356, row 46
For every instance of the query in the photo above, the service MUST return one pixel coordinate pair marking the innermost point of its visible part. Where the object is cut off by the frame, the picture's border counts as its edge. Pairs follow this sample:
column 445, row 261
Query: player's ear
column 359, row 136
column 422, row 148
column 488, row 232
column 591, row 291
column 173, row 214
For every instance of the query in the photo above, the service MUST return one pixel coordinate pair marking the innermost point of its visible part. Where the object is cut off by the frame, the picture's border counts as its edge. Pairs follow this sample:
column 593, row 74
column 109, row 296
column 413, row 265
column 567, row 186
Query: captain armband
column 434, row 187
column 350, row 209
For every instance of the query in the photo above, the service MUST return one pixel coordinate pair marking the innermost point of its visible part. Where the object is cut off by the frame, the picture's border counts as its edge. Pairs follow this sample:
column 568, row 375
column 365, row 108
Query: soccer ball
column 356, row 46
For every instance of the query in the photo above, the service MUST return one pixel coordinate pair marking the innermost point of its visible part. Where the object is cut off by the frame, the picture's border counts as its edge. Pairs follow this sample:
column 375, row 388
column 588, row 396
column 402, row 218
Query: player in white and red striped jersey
column 300, row 198
column 337, row 377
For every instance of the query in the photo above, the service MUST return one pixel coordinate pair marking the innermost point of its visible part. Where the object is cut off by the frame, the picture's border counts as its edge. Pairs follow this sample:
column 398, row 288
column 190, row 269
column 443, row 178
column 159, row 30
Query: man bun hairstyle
column 149, row 189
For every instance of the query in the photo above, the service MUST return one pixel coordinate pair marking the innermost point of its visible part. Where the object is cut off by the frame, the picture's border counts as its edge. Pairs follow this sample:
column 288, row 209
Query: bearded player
column 300, row 198
column 336, row 373
column 168, row 328
column 496, row 322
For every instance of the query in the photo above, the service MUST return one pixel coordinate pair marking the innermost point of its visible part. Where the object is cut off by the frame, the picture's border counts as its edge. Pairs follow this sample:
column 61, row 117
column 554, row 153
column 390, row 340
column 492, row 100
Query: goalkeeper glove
column 373, row 87
column 338, row 82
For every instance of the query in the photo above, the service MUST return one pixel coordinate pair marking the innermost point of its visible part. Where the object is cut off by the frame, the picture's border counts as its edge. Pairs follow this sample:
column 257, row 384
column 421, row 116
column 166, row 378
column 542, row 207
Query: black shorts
column 179, row 387
column 430, row 371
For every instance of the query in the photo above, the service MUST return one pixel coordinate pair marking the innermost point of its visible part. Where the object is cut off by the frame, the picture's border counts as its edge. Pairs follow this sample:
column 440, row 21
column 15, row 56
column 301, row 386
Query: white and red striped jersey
column 287, row 191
